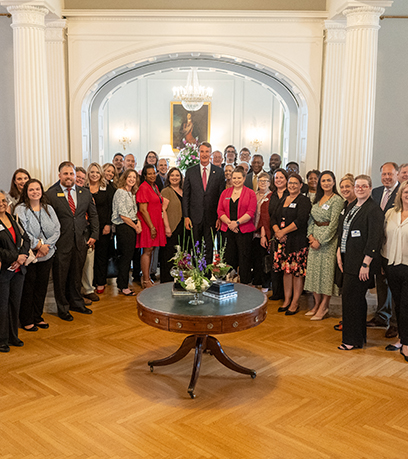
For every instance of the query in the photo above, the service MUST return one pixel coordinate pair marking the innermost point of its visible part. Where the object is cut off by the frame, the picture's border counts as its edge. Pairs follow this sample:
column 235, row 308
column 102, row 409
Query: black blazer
column 75, row 230
column 159, row 182
column 377, row 193
column 200, row 205
column 9, row 251
column 368, row 225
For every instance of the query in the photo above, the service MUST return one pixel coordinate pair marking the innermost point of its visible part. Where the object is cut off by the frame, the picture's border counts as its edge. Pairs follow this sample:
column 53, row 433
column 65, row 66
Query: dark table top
column 159, row 298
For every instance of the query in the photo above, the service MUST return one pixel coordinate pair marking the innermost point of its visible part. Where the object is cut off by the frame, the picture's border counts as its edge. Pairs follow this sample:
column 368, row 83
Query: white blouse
column 395, row 248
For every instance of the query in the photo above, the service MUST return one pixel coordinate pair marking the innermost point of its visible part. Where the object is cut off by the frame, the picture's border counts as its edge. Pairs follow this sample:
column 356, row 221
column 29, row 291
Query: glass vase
column 196, row 300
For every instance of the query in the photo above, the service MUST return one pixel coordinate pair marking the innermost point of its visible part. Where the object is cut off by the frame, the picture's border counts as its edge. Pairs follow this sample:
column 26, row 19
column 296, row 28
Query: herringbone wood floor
column 84, row 390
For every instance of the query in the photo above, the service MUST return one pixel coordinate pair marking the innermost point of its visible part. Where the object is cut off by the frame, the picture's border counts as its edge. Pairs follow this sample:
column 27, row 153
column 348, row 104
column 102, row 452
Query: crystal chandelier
column 192, row 95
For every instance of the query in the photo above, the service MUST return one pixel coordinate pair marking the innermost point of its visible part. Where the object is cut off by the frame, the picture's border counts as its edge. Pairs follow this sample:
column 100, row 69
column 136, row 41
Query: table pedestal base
column 201, row 343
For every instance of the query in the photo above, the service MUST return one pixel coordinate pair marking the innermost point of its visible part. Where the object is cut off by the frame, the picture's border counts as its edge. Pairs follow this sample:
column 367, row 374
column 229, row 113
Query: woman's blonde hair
column 349, row 177
column 398, row 198
column 115, row 173
column 102, row 181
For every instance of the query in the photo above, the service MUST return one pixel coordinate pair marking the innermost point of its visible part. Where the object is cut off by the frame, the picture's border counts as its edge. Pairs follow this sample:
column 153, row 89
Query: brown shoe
column 87, row 301
column 376, row 323
column 392, row 332
column 92, row 296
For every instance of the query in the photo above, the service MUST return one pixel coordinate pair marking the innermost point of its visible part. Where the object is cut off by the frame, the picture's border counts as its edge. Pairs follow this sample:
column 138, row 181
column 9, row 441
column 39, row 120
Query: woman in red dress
column 153, row 218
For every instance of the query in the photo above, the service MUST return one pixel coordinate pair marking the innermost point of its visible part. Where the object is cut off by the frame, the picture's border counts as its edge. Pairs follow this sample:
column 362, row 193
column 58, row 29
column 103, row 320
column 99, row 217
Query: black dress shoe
column 65, row 316
column 292, row 313
column 391, row 347
column 17, row 343
column 283, row 309
column 83, row 310
column 32, row 329
column 376, row 323
column 92, row 296
column 4, row 348
column 44, row 326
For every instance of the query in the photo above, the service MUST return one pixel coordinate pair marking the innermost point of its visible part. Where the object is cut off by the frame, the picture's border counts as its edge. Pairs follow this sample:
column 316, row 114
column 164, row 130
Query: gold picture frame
column 189, row 125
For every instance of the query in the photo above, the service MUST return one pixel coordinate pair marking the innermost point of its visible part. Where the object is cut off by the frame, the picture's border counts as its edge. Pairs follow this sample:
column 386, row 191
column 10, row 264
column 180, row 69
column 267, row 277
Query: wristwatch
column 364, row 265
column 238, row 223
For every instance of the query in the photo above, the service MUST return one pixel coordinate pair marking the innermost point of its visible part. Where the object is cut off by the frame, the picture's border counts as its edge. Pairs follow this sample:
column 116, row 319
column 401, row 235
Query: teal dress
column 321, row 263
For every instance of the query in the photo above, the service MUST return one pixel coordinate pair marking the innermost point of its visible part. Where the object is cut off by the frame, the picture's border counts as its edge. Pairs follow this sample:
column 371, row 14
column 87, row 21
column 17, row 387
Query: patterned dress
column 321, row 263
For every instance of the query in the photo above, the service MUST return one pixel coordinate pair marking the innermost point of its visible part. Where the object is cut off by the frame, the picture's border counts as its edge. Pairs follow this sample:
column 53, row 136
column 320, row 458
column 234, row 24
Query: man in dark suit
column 162, row 168
column 203, row 186
column 251, row 180
column 384, row 196
column 77, row 215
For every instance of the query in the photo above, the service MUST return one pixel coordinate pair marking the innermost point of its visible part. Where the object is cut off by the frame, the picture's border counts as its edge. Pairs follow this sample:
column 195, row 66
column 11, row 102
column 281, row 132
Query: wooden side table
column 157, row 308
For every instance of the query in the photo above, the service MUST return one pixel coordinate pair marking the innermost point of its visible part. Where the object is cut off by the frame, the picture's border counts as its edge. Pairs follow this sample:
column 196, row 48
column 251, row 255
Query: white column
column 360, row 74
column 30, row 88
column 55, row 49
column 332, row 87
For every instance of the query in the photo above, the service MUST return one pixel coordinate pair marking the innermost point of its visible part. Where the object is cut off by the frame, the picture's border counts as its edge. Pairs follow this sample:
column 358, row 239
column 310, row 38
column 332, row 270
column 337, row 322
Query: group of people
column 280, row 233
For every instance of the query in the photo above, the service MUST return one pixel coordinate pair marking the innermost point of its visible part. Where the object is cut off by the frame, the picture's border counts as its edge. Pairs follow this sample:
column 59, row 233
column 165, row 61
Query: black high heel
column 283, row 309
column 292, row 313
column 403, row 355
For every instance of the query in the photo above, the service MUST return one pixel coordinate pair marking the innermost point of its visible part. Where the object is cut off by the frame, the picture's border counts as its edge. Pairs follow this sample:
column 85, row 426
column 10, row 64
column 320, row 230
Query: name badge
column 325, row 207
column 355, row 233
column 61, row 195
column 2, row 228
column 227, row 199
column 342, row 212
column 293, row 205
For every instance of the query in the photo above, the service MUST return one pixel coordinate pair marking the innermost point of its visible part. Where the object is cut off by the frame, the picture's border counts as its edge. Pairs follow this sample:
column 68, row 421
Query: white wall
column 7, row 123
column 238, row 106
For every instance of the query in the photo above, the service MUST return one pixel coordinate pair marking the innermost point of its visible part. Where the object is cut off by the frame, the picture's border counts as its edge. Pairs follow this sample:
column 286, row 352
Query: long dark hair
column 123, row 178
column 25, row 200
column 13, row 187
column 167, row 181
column 284, row 173
column 319, row 190
column 157, row 159
column 145, row 169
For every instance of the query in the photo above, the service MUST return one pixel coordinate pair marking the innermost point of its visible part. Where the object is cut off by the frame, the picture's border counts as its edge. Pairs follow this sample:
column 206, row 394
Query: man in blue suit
column 384, row 196
column 203, row 186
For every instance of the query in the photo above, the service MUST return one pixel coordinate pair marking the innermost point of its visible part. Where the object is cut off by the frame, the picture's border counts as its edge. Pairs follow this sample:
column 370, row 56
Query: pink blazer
column 246, row 205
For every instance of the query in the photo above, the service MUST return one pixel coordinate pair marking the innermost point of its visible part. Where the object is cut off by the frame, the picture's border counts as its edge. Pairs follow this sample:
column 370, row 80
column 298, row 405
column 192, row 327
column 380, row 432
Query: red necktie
column 205, row 178
column 71, row 201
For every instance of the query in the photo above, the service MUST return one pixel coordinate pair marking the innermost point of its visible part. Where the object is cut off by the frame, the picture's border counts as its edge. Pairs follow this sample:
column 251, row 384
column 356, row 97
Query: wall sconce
column 256, row 136
column 124, row 139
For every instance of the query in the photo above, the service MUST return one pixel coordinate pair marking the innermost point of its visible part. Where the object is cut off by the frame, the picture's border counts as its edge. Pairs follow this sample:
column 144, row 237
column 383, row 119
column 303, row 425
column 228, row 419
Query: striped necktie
column 71, row 201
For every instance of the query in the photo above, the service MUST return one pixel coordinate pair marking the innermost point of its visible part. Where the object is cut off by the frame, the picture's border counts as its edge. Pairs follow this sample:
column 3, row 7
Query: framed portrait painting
column 189, row 125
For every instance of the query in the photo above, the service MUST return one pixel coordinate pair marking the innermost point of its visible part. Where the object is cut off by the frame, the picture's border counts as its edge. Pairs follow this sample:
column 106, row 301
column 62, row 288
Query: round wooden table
column 158, row 308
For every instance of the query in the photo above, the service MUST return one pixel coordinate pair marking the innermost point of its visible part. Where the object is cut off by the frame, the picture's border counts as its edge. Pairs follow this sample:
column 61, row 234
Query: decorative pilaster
column 360, row 75
column 55, row 49
column 31, row 94
column 332, row 87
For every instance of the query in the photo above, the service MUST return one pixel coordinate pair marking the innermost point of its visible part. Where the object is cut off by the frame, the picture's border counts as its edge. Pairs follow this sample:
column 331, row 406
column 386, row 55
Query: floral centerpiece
column 188, row 156
column 189, row 270
column 219, row 269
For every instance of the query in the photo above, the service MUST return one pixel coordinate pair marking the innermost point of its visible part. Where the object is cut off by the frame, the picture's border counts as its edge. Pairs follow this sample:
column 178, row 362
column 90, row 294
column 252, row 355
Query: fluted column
column 356, row 148
column 55, row 49
column 30, row 88
column 332, row 87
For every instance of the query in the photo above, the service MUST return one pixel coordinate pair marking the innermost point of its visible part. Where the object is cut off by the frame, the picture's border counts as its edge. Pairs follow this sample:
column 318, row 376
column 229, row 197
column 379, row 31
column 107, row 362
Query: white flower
column 204, row 284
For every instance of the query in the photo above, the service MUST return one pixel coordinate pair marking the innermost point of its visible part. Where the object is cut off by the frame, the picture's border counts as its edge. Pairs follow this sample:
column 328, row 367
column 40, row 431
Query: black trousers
column 11, row 288
column 398, row 281
column 354, row 305
column 168, row 252
column 101, row 258
column 34, row 292
column 67, row 274
column 238, row 253
column 258, row 253
column 126, row 240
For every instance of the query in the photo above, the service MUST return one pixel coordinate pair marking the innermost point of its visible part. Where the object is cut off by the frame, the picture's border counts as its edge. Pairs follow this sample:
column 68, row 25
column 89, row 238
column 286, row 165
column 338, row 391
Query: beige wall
column 282, row 5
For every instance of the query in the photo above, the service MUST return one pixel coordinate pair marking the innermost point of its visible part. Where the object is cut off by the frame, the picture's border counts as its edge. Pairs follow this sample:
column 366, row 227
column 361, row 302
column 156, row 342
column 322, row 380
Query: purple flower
column 181, row 276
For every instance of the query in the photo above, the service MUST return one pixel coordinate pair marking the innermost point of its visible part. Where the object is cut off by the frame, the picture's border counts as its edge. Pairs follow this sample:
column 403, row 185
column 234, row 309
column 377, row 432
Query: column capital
column 335, row 31
column 55, row 31
column 28, row 16
column 363, row 17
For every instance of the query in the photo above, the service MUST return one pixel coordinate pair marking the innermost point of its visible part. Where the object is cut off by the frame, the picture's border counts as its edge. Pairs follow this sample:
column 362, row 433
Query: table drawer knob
column 256, row 319
column 179, row 325
column 235, row 324
column 140, row 313
column 210, row 326
column 156, row 321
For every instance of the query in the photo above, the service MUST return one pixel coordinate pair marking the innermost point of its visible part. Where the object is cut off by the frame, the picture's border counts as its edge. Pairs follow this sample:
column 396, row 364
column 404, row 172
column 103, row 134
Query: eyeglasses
column 263, row 181
column 361, row 187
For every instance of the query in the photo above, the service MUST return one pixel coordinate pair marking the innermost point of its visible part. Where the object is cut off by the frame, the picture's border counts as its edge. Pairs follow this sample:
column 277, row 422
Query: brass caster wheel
column 253, row 375
column 151, row 368
column 192, row 394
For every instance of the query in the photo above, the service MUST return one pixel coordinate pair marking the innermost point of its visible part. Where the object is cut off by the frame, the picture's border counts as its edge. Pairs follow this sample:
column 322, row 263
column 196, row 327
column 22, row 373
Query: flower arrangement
column 218, row 267
column 189, row 268
column 188, row 156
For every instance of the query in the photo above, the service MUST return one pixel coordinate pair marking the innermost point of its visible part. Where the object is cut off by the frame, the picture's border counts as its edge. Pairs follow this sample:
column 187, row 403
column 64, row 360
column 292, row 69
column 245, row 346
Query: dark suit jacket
column 248, row 179
column 200, row 205
column 75, row 230
column 9, row 251
column 159, row 183
column 368, row 225
column 377, row 193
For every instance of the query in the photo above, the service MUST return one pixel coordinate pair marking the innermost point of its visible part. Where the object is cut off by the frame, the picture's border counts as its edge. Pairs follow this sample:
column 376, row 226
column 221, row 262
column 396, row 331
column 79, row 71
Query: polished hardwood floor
column 84, row 390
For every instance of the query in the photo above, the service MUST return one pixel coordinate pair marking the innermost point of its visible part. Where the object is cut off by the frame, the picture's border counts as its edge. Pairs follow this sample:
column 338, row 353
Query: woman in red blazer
column 236, row 210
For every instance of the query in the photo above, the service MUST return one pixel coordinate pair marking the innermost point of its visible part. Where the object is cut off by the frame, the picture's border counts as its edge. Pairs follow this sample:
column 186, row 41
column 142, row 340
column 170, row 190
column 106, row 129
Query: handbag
column 31, row 258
